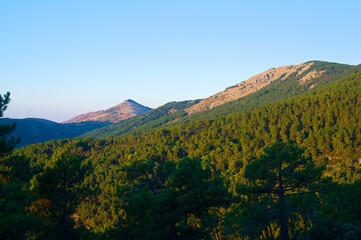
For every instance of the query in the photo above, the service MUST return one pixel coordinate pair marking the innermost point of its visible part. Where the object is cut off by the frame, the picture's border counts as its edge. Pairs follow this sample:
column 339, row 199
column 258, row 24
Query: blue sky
column 62, row 58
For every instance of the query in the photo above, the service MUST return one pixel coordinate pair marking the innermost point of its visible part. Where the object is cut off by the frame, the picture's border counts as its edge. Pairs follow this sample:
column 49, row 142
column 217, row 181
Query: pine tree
column 283, row 171
column 6, row 145
column 15, row 223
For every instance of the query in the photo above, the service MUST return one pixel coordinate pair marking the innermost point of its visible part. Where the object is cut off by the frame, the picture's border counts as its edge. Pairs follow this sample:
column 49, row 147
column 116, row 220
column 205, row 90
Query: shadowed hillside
column 35, row 130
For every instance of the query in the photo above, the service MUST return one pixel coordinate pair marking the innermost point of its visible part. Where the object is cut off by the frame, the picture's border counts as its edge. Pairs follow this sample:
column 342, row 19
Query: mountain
column 255, row 83
column 35, row 130
column 269, row 87
column 122, row 111
column 279, row 90
column 152, row 119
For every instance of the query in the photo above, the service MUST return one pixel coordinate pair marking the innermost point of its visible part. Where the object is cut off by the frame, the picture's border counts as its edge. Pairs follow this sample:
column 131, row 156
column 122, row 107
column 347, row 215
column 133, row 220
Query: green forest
column 290, row 169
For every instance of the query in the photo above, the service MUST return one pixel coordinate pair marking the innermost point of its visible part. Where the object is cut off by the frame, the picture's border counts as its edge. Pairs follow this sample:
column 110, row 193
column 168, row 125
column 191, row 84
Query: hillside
column 122, row 111
column 35, row 130
column 272, row 86
column 255, row 83
column 130, row 174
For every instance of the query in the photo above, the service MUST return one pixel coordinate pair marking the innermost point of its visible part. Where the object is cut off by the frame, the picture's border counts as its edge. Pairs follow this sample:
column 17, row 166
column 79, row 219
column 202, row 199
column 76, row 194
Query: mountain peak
column 127, row 109
column 130, row 101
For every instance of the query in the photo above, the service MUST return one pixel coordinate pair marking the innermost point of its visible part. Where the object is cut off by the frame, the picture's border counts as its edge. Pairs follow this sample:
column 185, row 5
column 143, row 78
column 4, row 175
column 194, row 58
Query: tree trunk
column 271, row 232
column 63, row 218
column 282, row 212
column 173, row 232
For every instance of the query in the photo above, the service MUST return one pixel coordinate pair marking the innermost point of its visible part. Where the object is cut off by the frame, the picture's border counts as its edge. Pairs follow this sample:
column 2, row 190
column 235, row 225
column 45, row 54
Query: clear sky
column 61, row 58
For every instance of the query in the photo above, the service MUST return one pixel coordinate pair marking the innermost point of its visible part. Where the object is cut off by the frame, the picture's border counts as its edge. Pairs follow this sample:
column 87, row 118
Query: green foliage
column 168, row 200
column 336, row 231
column 6, row 145
column 59, row 191
column 15, row 222
column 283, row 171
column 15, row 172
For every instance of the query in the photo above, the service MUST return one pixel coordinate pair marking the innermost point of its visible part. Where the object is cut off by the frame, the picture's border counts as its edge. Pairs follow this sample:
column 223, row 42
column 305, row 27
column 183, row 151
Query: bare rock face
column 253, row 84
column 122, row 111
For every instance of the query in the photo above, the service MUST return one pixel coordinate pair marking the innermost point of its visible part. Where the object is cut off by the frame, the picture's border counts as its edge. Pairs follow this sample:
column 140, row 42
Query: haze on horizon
column 62, row 59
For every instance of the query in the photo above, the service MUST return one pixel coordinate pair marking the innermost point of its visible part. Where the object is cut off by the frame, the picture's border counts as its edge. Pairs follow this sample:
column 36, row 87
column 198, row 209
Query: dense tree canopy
column 170, row 200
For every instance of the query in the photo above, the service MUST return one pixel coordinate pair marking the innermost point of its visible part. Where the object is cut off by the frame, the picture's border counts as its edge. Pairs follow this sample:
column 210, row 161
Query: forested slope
column 132, row 189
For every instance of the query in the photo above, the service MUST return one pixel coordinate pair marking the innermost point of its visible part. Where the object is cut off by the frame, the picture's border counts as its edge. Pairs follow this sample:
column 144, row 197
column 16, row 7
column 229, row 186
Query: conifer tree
column 15, row 223
column 281, row 172
column 6, row 145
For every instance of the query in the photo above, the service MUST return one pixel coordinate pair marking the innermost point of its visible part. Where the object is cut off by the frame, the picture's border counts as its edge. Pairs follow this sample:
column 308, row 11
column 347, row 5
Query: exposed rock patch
column 309, row 76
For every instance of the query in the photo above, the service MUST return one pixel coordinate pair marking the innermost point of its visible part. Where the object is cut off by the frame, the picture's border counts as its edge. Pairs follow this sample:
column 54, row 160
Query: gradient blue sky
column 61, row 58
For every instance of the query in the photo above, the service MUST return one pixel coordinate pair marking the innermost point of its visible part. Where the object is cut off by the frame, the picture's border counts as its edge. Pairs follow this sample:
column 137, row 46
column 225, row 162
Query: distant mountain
column 271, row 86
column 35, row 130
column 125, row 110
column 152, row 119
